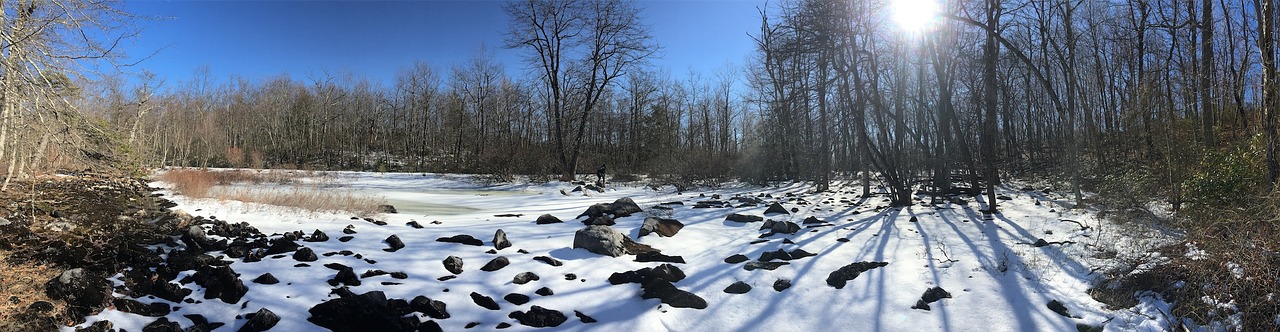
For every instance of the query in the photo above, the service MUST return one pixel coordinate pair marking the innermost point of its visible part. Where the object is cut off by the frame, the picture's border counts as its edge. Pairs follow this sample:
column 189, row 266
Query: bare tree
column 579, row 48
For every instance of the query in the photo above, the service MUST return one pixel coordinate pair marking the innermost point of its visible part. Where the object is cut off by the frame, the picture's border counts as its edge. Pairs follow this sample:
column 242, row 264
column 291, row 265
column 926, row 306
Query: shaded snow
column 998, row 280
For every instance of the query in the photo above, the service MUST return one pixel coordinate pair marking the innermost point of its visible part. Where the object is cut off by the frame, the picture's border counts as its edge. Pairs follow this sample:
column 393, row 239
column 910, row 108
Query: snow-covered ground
column 997, row 278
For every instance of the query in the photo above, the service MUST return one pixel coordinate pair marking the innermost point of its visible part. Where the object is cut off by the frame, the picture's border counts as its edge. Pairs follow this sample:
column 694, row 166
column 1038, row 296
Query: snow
column 997, row 279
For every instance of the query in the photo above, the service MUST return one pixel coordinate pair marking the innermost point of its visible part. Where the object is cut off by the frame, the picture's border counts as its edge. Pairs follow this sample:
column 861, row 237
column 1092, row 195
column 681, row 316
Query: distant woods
column 1128, row 99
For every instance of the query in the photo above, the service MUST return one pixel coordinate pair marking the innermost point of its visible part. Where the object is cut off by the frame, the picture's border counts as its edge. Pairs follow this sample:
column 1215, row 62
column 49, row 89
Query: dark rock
column 346, row 276
column 317, row 236
column 305, row 255
column 754, row 265
column 399, row 275
column 668, row 272
column 658, row 257
column 432, row 308
column 155, row 309
column 812, row 220
column 495, row 264
column 345, row 238
column 735, row 259
column 547, row 219
column 1054, row 305
column 602, row 220
column 281, row 245
column 776, row 208
column 548, row 260
column 1040, row 243
column 781, row 285
column 453, row 264
column 484, row 301
column 524, row 278
column 365, row 312
column 800, row 253
column 669, row 294
column 570, row 276
column 471, row 325
column 738, row 288
column 266, row 279
column 743, row 218
column 785, row 227
column 544, row 291
column 447, row 278
column 100, row 326
column 841, row 276
column 394, row 243
column 162, row 325
column 372, row 273
column 491, row 251
column 201, row 324
column 261, row 320
column 583, row 317
column 386, row 208
column 350, row 229
column 516, row 298
column 221, row 283
column 621, row 207
column 500, row 240
column 772, row 255
column 539, row 317
column 414, row 224
column 503, row 325
column 931, row 295
column 462, row 239
column 336, row 266
column 37, row 306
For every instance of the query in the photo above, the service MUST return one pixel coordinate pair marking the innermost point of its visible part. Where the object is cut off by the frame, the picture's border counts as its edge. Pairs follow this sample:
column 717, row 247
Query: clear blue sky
column 262, row 39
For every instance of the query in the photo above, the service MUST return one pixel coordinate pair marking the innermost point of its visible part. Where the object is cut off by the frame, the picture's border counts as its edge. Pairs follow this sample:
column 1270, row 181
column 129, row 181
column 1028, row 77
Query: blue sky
column 263, row 39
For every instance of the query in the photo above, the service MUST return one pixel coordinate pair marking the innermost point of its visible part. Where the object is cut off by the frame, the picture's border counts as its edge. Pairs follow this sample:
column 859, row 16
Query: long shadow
column 933, row 268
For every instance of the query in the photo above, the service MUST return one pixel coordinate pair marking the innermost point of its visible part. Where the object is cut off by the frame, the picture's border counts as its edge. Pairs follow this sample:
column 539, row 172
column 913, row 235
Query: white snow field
column 998, row 280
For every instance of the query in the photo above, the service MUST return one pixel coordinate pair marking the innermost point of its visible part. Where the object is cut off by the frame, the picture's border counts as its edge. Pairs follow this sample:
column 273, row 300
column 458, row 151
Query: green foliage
column 1227, row 179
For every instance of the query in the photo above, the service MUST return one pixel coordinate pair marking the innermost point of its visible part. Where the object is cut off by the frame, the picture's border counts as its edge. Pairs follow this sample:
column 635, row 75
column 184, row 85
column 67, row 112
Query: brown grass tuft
column 203, row 183
column 22, row 284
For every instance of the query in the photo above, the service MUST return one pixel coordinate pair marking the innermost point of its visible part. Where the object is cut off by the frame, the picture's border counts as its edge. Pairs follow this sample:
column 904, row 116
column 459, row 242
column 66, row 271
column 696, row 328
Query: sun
column 915, row 16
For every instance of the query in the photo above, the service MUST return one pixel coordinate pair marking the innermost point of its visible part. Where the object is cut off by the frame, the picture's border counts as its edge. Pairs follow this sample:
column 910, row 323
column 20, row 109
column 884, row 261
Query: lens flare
column 915, row 16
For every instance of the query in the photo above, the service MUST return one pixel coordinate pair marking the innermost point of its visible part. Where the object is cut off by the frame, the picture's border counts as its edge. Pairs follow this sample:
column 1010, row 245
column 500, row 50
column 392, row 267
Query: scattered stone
column 219, row 282
column 503, row 325
column 735, row 259
column 491, row 251
column 621, row 207
column 447, row 278
column 414, row 224
column 516, row 298
column 583, row 317
column 776, row 208
column 754, row 265
column 155, row 309
column 930, row 296
column 738, row 287
column 772, row 255
column 350, row 229
column 281, row 245
column 365, row 312
column 305, row 255
column 1054, row 305
column 781, row 284
column 394, row 242
column 199, row 323
column 317, row 236
column 453, row 264
column 508, row 215
column 654, row 256
column 266, row 279
column 432, row 308
column 544, row 291
column 345, row 238
column 524, row 278
column 83, row 291
column 471, row 325
column 539, row 317
column 841, row 276
column 484, row 301
column 345, row 276
column 495, row 264
column 570, row 276
column 669, row 294
column 372, row 273
column 500, row 240
column 812, row 220
column 784, row 227
column 1040, row 243
column 547, row 219
column 261, row 320
column 430, row 326
column 602, row 220
column 548, row 260
column 601, row 240
column 743, row 218
column 462, row 239
column 162, row 325
column 663, row 226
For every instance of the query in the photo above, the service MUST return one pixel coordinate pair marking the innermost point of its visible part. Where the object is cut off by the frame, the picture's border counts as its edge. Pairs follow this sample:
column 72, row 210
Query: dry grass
column 22, row 284
column 204, row 183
